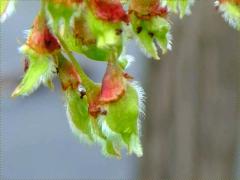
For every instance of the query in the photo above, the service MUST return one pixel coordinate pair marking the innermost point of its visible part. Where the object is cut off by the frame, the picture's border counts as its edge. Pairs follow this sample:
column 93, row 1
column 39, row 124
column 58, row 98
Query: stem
column 42, row 9
column 86, row 81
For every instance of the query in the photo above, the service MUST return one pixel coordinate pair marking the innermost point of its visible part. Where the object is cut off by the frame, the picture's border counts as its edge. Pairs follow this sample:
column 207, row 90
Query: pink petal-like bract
column 109, row 10
column 40, row 38
column 113, row 84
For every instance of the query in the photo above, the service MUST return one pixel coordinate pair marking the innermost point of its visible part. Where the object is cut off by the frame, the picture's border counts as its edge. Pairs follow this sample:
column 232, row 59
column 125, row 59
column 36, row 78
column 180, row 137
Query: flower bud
column 152, row 33
column 40, row 38
column 113, row 84
column 39, row 68
column 68, row 75
column 109, row 10
column 181, row 7
column 145, row 9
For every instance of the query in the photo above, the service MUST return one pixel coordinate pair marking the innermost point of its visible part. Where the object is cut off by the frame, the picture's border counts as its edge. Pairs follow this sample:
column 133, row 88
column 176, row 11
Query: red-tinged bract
column 113, row 84
column 145, row 9
column 109, row 10
column 67, row 2
column 230, row 1
column 41, row 39
column 68, row 75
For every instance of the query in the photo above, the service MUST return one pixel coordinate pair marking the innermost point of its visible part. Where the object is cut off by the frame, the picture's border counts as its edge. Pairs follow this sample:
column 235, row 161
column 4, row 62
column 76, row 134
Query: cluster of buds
column 39, row 50
column 107, row 113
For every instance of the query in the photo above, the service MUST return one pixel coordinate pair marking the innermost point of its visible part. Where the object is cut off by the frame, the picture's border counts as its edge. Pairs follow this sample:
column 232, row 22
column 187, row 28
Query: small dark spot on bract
column 103, row 112
column 151, row 34
column 48, row 42
column 139, row 29
column 82, row 94
column 119, row 31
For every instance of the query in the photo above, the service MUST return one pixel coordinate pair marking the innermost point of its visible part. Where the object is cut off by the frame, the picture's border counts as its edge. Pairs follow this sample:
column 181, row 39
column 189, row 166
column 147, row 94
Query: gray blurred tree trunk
column 193, row 100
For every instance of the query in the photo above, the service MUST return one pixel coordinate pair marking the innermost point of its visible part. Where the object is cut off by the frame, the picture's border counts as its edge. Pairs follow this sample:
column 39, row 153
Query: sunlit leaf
column 77, row 110
column 109, row 147
column 122, row 119
column 41, row 69
column 151, row 33
column 106, row 33
column 84, row 126
column 82, row 31
column 61, row 16
column 181, row 7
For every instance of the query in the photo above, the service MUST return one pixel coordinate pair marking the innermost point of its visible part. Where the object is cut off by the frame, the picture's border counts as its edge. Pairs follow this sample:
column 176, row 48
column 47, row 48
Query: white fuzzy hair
column 141, row 103
column 164, row 3
column 109, row 133
column 47, row 75
column 143, row 49
column 169, row 37
column 130, row 59
column 188, row 10
column 135, row 145
column 81, row 136
column 26, row 33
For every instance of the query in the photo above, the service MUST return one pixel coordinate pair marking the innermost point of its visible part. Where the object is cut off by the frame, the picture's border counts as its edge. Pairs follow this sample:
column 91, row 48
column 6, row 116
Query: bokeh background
column 192, row 123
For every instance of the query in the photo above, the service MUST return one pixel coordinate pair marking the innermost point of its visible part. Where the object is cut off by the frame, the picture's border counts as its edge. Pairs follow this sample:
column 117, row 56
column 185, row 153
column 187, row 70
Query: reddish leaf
column 40, row 38
column 109, row 10
column 113, row 84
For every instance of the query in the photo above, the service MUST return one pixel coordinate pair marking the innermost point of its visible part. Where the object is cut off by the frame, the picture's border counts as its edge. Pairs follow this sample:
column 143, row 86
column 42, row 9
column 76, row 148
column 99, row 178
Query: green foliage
column 182, row 7
column 79, row 118
column 108, row 147
column 40, row 70
column 116, row 129
column 151, row 33
column 105, row 32
column 83, row 32
column 124, row 121
column 108, row 113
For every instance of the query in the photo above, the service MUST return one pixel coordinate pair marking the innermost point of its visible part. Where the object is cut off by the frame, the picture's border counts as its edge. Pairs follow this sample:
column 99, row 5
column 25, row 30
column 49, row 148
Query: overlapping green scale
column 114, row 131
column 98, row 38
column 121, row 122
column 181, row 7
column 151, row 34
column 79, row 119
column 86, row 127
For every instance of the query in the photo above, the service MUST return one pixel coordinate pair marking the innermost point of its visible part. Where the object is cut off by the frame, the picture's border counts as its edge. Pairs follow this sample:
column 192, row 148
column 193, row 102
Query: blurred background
column 192, row 123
